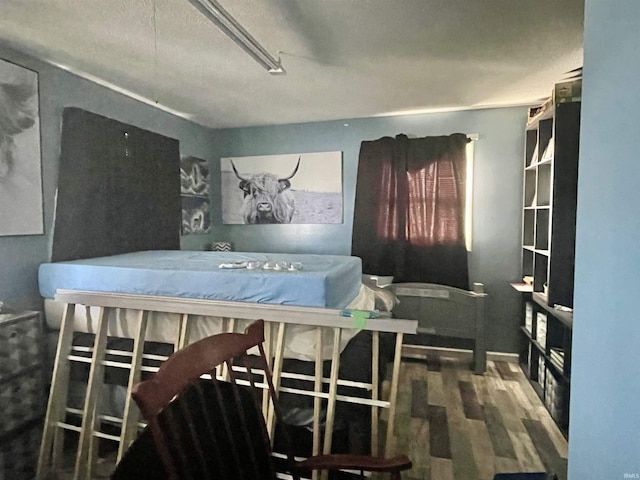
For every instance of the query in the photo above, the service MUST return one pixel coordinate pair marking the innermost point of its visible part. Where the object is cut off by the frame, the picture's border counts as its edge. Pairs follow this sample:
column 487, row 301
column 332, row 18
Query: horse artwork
column 20, row 162
column 282, row 189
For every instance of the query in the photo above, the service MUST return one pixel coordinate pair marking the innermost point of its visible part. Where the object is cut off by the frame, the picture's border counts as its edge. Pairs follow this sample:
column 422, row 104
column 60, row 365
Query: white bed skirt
column 300, row 340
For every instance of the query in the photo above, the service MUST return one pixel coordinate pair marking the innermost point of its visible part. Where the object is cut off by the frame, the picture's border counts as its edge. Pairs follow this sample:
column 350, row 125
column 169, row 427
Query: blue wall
column 21, row 255
column 497, row 198
column 495, row 259
column 605, row 383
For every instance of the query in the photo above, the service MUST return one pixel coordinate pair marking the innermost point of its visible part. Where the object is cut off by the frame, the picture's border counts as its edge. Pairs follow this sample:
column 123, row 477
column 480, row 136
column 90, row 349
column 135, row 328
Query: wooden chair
column 201, row 428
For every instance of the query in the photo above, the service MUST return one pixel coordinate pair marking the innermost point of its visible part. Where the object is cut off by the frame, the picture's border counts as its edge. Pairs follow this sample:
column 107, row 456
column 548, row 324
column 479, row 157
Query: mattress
column 329, row 281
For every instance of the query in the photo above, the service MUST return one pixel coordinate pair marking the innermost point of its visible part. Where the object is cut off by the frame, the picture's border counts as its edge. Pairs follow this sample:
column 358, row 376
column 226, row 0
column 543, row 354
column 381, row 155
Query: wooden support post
column 183, row 332
column 480, row 347
column 317, row 388
column 333, row 391
column 131, row 413
column 84, row 457
column 51, row 446
column 276, row 375
column 393, row 394
column 375, row 390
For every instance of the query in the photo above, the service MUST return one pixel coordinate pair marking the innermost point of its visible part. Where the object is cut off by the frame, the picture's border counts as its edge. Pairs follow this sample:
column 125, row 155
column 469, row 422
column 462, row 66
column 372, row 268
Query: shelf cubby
column 548, row 245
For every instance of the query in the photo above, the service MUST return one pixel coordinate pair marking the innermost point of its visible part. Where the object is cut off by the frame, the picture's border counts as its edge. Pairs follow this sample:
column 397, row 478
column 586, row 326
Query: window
column 413, row 208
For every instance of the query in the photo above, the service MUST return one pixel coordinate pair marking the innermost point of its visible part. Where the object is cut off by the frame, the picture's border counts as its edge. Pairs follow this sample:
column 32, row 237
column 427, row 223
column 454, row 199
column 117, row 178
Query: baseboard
column 421, row 351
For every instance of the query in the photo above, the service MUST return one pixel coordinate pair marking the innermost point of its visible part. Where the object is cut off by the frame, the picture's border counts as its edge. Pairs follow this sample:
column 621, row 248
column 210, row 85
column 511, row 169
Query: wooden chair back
column 201, row 428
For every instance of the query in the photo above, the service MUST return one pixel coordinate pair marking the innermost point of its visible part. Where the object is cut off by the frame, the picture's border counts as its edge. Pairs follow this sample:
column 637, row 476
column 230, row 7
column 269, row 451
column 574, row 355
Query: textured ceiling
column 344, row 58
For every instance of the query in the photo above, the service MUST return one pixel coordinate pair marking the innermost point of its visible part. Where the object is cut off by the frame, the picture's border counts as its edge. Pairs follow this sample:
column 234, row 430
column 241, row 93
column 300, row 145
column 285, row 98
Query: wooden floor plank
column 418, row 450
column 401, row 438
column 412, row 370
column 498, row 433
column 433, row 362
column 525, row 401
column 439, row 441
column 545, row 448
column 451, row 391
column 505, row 371
column 482, row 389
column 506, row 465
column 441, row 469
column 435, row 389
column 470, row 404
column 493, row 377
column 509, row 410
column 530, row 397
column 559, row 442
column 528, row 456
column 419, row 399
column 464, row 463
column 401, row 441
column 482, row 449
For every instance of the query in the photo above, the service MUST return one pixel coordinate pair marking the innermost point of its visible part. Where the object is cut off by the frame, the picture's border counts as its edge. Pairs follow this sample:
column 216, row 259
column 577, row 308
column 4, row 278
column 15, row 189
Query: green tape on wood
column 360, row 318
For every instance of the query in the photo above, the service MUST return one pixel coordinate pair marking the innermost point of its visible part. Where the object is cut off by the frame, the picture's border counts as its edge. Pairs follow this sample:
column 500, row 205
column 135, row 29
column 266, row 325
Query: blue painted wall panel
column 21, row 255
column 605, row 383
column 495, row 259
column 497, row 197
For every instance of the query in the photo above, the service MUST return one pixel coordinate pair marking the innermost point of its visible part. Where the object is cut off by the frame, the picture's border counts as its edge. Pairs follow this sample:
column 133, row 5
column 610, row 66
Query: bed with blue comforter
column 324, row 283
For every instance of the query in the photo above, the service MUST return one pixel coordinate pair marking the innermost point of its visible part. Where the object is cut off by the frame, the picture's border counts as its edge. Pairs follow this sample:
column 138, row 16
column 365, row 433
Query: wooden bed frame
column 446, row 311
column 277, row 317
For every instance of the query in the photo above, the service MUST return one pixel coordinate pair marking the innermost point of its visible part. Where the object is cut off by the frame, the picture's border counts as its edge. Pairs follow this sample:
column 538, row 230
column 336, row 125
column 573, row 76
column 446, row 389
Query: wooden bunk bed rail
column 446, row 311
column 234, row 315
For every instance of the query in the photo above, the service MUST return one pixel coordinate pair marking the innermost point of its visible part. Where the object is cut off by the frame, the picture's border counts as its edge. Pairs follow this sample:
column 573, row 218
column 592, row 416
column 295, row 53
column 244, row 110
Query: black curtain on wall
column 118, row 189
column 409, row 209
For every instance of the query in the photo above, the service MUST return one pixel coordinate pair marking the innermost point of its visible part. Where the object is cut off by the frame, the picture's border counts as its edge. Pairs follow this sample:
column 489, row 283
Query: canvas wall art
column 301, row 188
column 20, row 161
column 194, row 192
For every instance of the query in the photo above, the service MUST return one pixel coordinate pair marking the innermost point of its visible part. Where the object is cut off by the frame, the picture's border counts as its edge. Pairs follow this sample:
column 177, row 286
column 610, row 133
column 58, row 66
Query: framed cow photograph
column 20, row 161
column 300, row 188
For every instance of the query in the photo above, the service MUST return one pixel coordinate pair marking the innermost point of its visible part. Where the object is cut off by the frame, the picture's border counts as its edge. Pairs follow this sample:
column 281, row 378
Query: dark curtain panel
column 409, row 209
column 118, row 189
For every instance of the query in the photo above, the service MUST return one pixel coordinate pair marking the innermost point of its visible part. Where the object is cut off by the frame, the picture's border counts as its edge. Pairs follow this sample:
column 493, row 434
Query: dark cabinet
column 546, row 358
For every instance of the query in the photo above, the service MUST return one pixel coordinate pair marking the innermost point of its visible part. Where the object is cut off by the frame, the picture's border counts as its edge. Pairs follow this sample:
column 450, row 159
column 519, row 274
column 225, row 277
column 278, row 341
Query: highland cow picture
column 194, row 192
column 301, row 188
column 20, row 162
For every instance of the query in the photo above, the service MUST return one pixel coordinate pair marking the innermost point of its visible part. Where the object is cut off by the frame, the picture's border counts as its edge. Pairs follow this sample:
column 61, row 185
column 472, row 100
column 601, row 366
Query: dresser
column 22, row 393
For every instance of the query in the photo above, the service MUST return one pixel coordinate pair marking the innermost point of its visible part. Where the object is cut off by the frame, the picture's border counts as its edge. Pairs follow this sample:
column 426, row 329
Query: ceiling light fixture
column 230, row 26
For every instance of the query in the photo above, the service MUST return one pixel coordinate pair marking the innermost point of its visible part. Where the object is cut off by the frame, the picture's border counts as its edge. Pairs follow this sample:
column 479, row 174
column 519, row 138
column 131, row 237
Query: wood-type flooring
column 455, row 425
